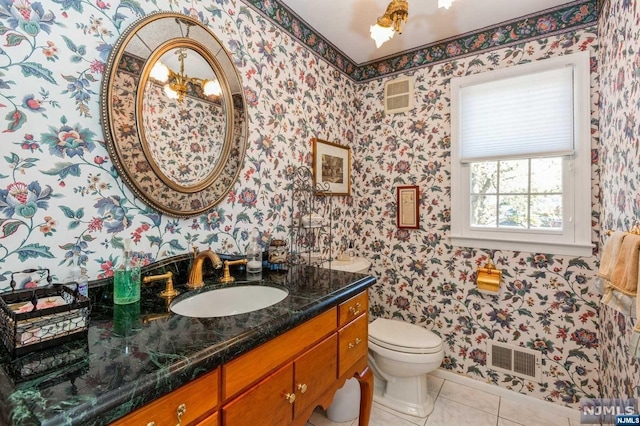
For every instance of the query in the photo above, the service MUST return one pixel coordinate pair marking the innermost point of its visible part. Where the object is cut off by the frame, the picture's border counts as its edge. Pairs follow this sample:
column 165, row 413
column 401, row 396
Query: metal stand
column 311, row 222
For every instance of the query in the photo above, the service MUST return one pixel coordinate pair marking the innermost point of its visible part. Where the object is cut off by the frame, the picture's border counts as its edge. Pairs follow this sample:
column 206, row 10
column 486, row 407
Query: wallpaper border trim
column 577, row 15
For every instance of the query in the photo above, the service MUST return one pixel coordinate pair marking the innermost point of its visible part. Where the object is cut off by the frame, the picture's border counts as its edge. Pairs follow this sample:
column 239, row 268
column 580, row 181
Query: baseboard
column 547, row 406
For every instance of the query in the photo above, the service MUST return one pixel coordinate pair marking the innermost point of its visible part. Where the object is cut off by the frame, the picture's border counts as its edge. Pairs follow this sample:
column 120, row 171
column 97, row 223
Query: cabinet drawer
column 352, row 341
column 195, row 399
column 264, row 404
column 243, row 371
column 315, row 371
column 212, row 420
column 352, row 308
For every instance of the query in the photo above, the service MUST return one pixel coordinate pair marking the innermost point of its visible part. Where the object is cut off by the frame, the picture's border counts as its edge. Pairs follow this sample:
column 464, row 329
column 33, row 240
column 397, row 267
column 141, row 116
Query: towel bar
column 635, row 230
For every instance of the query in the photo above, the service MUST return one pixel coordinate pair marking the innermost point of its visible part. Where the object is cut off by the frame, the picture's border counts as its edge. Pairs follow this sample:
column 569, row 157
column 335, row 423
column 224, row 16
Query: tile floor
column 457, row 404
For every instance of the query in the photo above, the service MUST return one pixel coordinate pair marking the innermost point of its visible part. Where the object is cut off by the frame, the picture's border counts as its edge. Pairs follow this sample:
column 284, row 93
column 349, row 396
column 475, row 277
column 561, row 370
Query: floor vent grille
column 514, row 360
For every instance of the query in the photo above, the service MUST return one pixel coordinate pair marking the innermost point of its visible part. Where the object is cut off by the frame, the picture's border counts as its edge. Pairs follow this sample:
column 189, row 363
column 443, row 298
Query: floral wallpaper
column 185, row 139
column 619, row 60
column 544, row 303
column 63, row 203
column 61, row 200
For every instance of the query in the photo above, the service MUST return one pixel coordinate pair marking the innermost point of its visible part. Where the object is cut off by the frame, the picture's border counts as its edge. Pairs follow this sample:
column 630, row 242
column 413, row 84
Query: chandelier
column 175, row 84
column 391, row 22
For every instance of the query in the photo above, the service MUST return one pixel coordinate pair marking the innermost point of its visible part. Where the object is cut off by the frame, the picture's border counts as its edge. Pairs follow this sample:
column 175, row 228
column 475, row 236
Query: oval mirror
column 174, row 114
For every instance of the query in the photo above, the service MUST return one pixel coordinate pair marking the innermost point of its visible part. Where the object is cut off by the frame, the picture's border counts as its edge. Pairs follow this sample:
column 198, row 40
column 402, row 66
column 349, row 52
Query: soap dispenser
column 254, row 253
column 126, row 279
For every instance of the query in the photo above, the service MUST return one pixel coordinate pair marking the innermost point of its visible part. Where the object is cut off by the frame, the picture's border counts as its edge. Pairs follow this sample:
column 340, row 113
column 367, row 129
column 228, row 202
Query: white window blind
column 528, row 115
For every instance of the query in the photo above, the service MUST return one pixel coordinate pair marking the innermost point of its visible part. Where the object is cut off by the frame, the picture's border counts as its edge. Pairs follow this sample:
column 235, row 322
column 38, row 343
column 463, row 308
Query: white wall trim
column 546, row 406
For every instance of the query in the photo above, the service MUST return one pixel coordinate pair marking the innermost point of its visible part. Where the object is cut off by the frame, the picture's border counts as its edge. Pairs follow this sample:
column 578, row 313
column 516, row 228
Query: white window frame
column 575, row 237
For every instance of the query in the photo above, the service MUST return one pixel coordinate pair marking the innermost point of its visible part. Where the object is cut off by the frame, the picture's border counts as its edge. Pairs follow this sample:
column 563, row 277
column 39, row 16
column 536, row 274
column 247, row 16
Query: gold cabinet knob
column 356, row 343
column 180, row 411
column 355, row 310
column 291, row 397
column 302, row 387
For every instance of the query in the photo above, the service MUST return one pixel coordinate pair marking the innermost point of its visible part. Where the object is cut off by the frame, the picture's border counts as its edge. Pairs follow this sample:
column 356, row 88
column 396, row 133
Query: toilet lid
column 403, row 336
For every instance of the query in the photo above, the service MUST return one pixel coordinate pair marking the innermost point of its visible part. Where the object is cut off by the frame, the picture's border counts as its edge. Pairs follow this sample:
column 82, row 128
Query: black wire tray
column 39, row 318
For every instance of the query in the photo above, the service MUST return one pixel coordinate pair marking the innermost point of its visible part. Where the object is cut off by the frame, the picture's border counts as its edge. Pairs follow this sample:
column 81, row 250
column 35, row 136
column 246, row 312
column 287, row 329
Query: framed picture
column 408, row 202
column 331, row 167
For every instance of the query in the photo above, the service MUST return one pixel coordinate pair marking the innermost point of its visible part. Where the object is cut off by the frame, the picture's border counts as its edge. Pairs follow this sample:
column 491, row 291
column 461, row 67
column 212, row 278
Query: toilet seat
column 403, row 337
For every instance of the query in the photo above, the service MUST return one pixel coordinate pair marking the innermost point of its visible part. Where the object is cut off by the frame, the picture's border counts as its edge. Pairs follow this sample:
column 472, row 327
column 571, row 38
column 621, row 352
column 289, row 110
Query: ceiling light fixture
column 391, row 22
column 445, row 3
column 176, row 84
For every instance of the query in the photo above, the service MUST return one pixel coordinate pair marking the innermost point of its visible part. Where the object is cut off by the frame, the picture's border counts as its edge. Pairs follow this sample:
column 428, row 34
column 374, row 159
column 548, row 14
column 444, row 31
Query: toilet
column 400, row 356
column 354, row 264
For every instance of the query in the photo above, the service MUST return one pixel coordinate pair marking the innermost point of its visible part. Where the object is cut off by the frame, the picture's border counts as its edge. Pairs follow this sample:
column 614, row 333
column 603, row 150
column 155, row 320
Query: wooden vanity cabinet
column 289, row 395
column 353, row 308
column 353, row 344
column 288, row 392
column 269, row 402
column 314, row 373
column 212, row 420
column 353, row 334
column 241, row 372
column 281, row 381
column 184, row 405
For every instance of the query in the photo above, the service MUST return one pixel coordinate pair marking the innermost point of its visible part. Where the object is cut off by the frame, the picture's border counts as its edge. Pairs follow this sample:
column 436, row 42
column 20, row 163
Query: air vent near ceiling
column 398, row 95
column 517, row 361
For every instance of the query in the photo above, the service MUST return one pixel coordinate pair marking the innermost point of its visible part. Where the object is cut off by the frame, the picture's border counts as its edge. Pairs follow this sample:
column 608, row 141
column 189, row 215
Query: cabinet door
column 353, row 343
column 269, row 402
column 314, row 372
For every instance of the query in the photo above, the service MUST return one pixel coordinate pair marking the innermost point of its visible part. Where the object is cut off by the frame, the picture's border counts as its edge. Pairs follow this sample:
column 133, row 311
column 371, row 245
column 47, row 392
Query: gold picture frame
column 408, row 207
column 331, row 168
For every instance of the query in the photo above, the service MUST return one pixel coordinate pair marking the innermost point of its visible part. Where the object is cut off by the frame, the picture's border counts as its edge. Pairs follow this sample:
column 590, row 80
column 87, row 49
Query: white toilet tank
column 355, row 264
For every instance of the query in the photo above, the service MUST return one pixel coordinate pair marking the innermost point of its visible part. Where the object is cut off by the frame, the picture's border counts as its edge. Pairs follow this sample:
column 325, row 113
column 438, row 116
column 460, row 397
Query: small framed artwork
column 408, row 211
column 331, row 168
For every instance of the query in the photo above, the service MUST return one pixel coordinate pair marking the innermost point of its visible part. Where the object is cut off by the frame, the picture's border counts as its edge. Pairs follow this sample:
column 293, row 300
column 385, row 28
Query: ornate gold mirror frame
column 137, row 143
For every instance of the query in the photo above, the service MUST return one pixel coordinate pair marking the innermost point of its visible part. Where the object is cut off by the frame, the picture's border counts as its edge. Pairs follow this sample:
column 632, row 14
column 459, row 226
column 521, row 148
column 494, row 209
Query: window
column 521, row 158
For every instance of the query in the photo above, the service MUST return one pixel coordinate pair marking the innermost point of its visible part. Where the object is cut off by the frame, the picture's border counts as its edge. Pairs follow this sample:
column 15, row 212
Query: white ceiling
column 345, row 23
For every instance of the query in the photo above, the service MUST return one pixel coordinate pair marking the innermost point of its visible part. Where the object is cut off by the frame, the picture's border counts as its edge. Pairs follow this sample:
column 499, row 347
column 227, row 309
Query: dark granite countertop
column 136, row 353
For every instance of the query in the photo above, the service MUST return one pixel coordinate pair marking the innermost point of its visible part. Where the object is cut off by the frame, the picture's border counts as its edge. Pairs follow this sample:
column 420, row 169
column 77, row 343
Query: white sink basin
column 227, row 301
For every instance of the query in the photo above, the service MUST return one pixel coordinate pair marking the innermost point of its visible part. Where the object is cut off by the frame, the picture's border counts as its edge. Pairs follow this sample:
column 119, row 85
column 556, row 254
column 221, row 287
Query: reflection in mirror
column 184, row 118
column 174, row 114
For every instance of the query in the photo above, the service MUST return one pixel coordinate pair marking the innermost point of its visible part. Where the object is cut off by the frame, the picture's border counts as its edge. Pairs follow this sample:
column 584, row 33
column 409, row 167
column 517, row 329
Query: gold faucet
column 195, row 274
column 226, row 276
column 169, row 292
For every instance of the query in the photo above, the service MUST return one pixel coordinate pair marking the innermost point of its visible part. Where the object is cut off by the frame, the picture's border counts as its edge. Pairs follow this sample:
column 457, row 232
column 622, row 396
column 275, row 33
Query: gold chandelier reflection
column 175, row 84
column 391, row 22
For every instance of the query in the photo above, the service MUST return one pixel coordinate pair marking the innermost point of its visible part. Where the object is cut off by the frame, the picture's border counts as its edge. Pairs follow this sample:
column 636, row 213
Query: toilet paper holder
column 489, row 278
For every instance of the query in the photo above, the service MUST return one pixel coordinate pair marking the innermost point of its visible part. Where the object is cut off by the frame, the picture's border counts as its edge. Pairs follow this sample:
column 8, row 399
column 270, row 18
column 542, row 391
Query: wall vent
column 515, row 360
column 398, row 95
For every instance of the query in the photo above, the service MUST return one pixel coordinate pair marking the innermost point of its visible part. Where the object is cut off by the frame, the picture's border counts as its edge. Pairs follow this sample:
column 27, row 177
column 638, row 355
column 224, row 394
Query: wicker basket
column 60, row 315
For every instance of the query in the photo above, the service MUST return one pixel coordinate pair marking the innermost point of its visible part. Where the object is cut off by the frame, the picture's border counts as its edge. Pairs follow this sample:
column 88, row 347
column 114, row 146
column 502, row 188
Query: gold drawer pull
column 180, row 411
column 151, row 424
column 355, row 310
column 302, row 387
column 356, row 343
column 291, row 397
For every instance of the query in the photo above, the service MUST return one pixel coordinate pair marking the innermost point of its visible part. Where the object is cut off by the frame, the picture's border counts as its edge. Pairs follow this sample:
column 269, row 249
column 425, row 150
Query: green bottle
column 126, row 279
